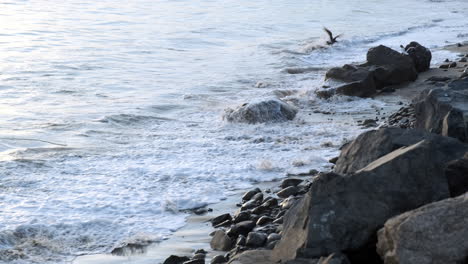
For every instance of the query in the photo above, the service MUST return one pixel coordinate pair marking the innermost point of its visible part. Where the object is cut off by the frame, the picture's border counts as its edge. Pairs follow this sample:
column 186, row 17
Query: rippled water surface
column 110, row 111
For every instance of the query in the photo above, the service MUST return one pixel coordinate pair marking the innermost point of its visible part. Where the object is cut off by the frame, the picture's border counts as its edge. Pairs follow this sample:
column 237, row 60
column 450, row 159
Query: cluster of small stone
column 404, row 118
column 258, row 222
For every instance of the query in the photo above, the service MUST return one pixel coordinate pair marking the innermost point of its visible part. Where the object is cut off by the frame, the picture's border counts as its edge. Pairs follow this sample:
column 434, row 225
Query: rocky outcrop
column 384, row 67
column 374, row 144
column 444, row 111
column 457, row 176
column 420, row 55
column 433, row 234
column 343, row 213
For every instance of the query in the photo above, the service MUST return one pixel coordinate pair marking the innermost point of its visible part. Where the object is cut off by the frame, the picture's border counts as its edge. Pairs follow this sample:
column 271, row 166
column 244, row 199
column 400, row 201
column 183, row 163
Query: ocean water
column 111, row 111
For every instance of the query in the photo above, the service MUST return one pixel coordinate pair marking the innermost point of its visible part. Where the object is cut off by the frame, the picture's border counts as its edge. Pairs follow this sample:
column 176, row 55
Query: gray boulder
column 457, row 176
column 343, row 213
column 420, row 55
column 444, row 111
column 433, row 234
column 374, row 144
column 273, row 110
column 256, row 239
column 221, row 241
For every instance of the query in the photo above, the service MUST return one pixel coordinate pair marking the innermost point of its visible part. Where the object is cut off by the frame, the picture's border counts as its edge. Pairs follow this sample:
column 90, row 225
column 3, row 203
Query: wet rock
column 195, row 261
column 271, row 245
column 218, row 259
column 241, row 216
column 333, row 160
column 278, row 220
column 273, row 237
column 394, row 67
column 444, row 111
column 260, row 210
column 273, row 110
column 176, row 260
column 242, row 228
column 435, row 233
column 342, row 213
column 248, row 195
column 287, row 203
column 220, row 219
column 463, row 60
column 258, row 197
column 359, row 80
column 256, row 239
column 421, row 56
column 223, row 224
column 290, row 182
column 369, row 123
column 286, row 192
column 457, row 176
column 221, row 241
column 252, row 256
column 199, row 256
column 250, row 205
column 270, row 203
column 264, row 220
column 438, row 79
column 241, row 240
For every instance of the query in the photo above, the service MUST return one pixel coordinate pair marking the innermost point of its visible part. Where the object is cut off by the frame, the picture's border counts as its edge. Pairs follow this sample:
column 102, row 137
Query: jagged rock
column 457, row 176
column 374, row 144
column 176, row 260
column 343, row 213
column 273, row 110
column 421, row 56
column 218, row 259
column 444, row 111
column 256, row 239
column 288, row 191
column 221, row 241
column 435, row 233
column 394, row 67
column 290, row 182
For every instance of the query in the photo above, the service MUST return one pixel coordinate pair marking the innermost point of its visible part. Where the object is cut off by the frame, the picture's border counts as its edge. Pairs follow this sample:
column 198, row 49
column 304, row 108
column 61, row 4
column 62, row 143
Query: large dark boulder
column 421, row 56
column 343, row 213
column 359, row 80
column 395, row 67
column 445, row 110
column 273, row 110
column 457, row 176
column 374, row 144
column 435, row 233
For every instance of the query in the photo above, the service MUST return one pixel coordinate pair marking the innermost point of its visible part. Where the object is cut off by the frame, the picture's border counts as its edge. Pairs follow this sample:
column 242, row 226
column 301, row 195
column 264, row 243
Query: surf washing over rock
column 112, row 124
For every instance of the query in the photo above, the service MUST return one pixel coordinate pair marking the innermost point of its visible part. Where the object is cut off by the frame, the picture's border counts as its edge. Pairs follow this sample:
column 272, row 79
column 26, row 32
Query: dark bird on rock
column 330, row 34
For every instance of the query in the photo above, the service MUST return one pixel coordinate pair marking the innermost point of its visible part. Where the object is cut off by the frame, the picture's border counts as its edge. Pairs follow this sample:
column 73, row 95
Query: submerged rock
column 273, row 110
column 435, row 233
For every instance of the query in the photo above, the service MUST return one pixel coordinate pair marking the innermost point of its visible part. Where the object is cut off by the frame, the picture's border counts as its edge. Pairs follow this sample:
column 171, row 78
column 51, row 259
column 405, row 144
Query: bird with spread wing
column 330, row 34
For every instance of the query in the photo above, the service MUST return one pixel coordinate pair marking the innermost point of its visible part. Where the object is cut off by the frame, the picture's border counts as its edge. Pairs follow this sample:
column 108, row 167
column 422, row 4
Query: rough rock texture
column 221, row 241
column 374, row 144
column 252, row 256
column 360, row 81
column 457, row 176
column 176, row 260
column 395, row 67
column 444, row 111
column 433, row 234
column 421, row 56
column 343, row 213
column 273, row 110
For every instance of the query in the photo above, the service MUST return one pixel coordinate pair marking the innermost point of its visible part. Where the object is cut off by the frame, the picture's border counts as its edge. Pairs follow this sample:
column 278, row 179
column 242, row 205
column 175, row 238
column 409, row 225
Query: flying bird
column 330, row 34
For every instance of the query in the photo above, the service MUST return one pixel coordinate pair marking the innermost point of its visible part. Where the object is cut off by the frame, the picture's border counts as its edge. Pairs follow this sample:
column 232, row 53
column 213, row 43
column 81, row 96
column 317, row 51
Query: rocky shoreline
column 397, row 194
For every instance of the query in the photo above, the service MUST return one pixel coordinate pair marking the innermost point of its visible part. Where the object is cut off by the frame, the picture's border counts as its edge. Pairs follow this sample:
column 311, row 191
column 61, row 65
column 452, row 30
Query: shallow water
column 110, row 118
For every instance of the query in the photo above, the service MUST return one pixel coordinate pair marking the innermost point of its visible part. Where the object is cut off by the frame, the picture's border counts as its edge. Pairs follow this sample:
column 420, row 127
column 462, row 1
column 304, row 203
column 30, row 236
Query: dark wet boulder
column 435, row 233
column 273, row 110
column 393, row 66
column 343, row 213
column 248, row 195
column 176, row 260
column 290, row 182
column 220, row 219
column 420, row 55
column 256, row 239
column 359, row 81
column 374, row 144
column 444, row 111
column 288, row 191
column 457, row 176
column 242, row 228
column 252, row 256
column 218, row 259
